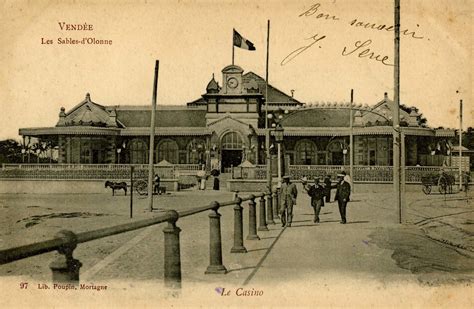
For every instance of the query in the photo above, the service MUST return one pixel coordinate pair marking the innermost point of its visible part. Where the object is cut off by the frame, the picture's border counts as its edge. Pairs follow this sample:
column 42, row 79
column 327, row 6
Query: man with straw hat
column 316, row 192
column 288, row 196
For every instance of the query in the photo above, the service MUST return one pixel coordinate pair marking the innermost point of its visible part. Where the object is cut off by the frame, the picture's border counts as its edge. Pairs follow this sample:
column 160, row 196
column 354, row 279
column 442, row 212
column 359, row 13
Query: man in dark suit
column 156, row 184
column 316, row 192
column 327, row 188
column 288, row 194
column 343, row 192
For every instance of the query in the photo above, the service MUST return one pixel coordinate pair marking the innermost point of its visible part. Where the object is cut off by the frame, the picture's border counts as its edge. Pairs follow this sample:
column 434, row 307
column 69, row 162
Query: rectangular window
column 372, row 157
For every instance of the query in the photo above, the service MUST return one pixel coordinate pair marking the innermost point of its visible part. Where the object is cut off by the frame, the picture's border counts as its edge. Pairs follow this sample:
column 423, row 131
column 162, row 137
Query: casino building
column 225, row 127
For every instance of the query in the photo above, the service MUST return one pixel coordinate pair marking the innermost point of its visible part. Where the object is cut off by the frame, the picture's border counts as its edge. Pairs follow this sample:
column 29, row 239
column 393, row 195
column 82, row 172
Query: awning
column 166, row 131
column 74, row 130
column 345, row 131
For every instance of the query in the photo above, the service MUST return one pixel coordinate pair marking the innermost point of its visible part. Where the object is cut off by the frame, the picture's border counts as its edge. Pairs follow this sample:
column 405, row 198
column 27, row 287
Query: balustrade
column 121, row 171
column 66, row 268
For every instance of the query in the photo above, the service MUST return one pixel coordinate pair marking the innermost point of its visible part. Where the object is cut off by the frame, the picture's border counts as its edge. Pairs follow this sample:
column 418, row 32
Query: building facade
column 226, row 126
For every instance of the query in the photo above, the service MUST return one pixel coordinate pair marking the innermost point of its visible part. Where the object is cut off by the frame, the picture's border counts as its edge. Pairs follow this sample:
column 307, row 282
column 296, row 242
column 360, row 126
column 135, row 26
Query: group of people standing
column 319, row 193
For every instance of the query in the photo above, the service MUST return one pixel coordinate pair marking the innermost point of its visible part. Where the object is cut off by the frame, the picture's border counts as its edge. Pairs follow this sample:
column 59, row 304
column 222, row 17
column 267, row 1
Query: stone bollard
column 263, row 221
column 65, row 268
column 215, row 242
column 269, row 208
column 238, row 228
column 276, row 206
column 172, row 252
column 252, row 219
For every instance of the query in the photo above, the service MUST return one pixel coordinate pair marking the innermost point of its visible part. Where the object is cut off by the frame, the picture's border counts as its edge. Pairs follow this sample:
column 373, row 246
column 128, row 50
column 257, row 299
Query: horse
column 116, row 186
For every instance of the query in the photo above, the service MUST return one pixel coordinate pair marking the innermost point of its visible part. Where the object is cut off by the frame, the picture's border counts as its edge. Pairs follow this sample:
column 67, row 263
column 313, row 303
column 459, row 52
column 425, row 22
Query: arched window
column 196, row 149
column 337, row 152
column 167, row 150
column 231, row 141
column 138, row 152
column 305, row 152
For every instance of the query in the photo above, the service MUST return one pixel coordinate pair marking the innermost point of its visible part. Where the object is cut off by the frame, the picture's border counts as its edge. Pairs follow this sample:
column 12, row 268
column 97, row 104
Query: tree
column 422, row 121
column 10, row 151
column 468, row 138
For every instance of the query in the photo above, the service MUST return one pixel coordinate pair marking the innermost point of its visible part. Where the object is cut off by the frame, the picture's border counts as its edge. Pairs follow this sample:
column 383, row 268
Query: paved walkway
column 305, row 250
column 325, row 264
column 316, row 252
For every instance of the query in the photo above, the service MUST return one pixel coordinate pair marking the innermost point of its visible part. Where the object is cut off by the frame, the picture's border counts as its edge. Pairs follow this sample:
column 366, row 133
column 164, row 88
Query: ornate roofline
column 345, row 131
column 69, row 130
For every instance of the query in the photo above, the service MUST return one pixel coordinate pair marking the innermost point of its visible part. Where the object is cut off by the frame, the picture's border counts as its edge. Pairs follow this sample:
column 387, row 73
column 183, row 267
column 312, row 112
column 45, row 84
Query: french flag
column 240, row 41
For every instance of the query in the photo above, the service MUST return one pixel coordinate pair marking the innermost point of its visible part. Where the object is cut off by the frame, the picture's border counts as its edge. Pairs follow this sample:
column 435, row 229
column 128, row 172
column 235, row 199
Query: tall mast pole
column 396, row 114
column 351, row 142
column 233, row 46
column 460, row 145
column 152, row 139
column 267, row 130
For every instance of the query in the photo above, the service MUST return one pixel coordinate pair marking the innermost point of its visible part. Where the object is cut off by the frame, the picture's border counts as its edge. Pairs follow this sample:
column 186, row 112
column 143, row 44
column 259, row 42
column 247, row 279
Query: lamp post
column 279, row 139
column 344, row 152
column 268, row 154
column 277, row 117
column 119, row 150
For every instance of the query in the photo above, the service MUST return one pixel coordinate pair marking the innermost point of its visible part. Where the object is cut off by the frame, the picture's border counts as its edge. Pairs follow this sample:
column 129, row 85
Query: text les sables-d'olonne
column 82, row 27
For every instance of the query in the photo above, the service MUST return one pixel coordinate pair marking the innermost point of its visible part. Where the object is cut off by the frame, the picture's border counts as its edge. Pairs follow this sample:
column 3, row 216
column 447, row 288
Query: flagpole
column 460, row 145
column 152, row 139
column 233, row 46
column 396, row 113
column 351, row 141
column 267, row 131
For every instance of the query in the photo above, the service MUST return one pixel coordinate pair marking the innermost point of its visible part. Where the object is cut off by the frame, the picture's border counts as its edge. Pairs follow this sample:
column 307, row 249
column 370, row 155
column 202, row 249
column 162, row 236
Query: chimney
column 112, row 121
column 385, row 96
column 62, row 117
column 358, row 119
column 413, row 118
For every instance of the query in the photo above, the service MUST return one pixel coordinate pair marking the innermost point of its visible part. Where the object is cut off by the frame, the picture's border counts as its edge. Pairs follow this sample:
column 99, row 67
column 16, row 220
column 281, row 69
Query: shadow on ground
column 435, row 263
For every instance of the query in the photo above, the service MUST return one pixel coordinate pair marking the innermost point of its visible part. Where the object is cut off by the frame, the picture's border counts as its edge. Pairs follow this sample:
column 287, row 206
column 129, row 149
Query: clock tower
column 238, row 98
column 232, row 79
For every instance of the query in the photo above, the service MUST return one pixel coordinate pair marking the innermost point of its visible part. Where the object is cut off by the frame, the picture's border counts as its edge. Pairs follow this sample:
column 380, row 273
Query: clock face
column 232, row 82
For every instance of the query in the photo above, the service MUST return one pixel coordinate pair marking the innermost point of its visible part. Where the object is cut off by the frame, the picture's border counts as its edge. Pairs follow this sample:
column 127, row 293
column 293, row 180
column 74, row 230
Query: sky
column 193, row 40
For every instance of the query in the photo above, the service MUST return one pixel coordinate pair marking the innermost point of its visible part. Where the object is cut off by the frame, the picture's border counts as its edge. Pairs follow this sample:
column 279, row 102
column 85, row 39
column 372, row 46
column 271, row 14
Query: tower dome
column 212, row 86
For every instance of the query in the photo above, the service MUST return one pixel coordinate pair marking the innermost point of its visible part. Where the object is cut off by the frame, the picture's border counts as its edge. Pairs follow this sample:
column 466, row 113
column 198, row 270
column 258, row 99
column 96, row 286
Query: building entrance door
column 95, row 156
column 337, row 158
column 230, row 158
column 231, row 147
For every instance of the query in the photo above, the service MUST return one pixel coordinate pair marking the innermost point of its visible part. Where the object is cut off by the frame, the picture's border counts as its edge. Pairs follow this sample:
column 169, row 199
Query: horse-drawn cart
column 444, row 181
column 141, row 186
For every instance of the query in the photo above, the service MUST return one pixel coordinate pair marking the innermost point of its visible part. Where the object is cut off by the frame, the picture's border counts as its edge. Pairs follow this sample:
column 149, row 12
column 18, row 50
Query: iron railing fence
column 91, row 171
column 66, row 268
column 362, row 173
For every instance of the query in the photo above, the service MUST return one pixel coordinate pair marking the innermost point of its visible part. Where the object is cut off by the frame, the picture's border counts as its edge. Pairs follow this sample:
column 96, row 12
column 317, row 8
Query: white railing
column 187, row 167
column 90, row 171
column 310, row 171
column 373, row 173
column 253, row 172
column 122, row 171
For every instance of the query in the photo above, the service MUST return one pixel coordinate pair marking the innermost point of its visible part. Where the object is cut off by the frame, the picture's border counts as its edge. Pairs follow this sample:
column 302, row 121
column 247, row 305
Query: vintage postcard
column 314, row 153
